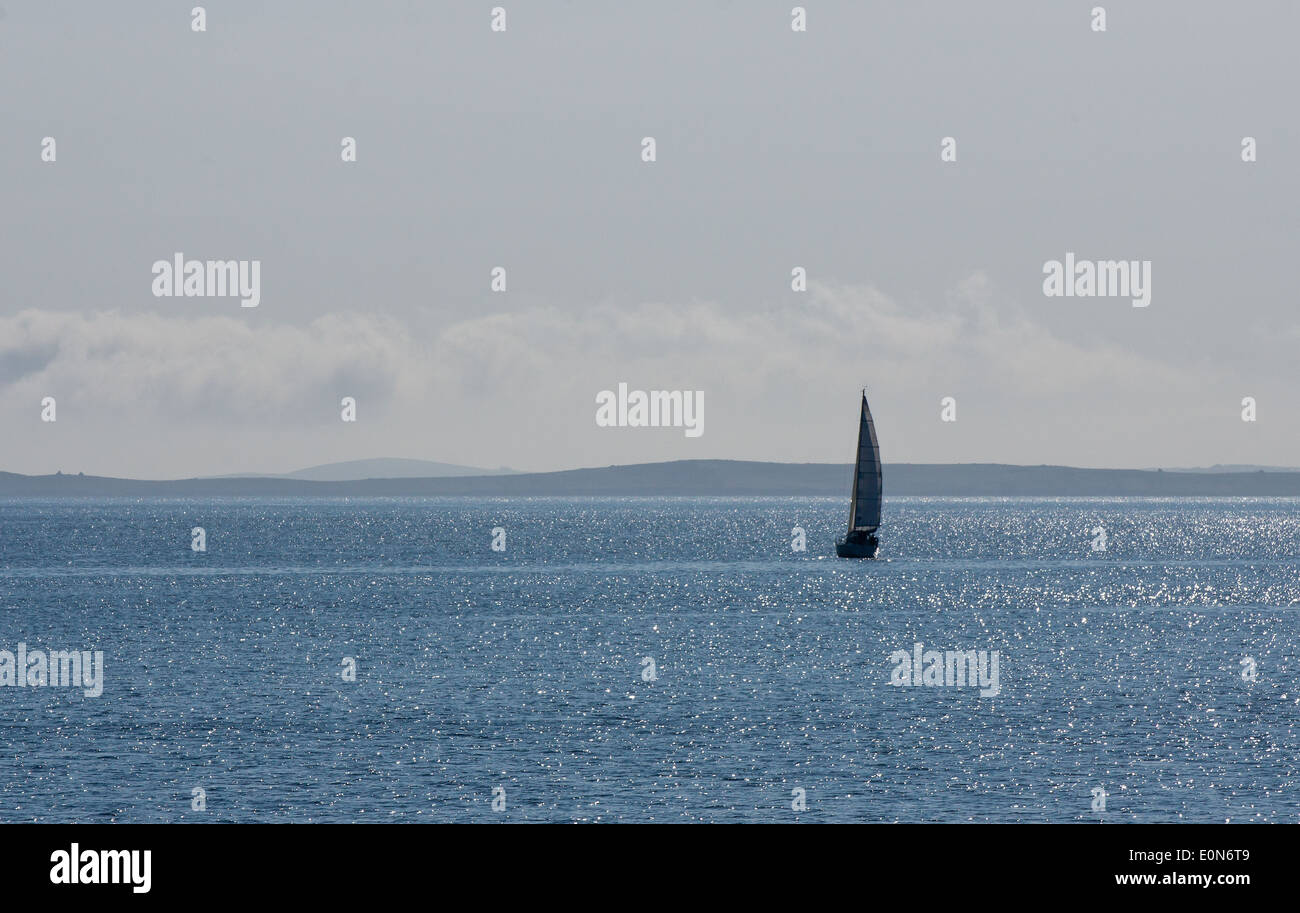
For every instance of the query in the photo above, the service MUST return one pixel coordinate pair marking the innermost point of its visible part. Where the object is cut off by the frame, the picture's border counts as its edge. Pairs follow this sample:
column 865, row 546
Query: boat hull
column 857, row 546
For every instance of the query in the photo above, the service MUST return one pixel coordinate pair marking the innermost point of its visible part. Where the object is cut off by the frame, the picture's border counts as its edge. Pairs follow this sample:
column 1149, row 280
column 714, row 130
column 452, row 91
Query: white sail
column 864, row 508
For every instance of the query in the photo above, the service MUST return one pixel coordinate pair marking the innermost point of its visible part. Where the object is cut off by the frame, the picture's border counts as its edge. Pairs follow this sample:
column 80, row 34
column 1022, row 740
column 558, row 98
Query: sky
column 774, row 149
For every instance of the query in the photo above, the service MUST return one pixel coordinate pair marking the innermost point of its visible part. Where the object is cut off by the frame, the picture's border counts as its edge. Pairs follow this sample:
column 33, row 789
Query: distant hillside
column 384, row 468
column 703, row 477
column 390, row 469
column 1235, row 467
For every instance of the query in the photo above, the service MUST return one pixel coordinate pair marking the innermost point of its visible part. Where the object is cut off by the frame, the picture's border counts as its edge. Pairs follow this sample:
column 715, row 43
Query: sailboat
column 864, row 506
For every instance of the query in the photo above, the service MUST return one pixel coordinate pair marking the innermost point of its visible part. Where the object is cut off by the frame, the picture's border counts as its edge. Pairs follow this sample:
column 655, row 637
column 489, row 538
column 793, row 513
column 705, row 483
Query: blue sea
column 645, row 660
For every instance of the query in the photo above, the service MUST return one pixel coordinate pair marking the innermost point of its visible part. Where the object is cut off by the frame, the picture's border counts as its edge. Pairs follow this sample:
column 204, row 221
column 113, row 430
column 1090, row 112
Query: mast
column 857, row 469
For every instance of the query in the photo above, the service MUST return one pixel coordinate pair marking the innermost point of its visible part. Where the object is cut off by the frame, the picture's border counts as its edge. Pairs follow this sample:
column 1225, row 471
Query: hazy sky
column 522, row 149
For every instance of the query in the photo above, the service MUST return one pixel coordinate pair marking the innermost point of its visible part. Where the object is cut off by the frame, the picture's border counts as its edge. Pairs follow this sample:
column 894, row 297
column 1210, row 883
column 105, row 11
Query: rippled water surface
column 1119, row 670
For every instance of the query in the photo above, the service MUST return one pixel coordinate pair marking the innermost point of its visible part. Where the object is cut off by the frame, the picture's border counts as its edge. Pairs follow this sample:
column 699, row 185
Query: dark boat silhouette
column 864, row 504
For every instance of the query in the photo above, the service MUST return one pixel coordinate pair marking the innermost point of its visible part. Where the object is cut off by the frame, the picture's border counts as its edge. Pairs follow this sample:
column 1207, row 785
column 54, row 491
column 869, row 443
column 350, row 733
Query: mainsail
column 864, row 508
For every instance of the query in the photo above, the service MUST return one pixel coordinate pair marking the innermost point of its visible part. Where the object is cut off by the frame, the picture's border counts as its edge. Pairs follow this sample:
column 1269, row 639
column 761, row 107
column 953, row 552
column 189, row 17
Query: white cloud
column 200, row 370
column 518, row 388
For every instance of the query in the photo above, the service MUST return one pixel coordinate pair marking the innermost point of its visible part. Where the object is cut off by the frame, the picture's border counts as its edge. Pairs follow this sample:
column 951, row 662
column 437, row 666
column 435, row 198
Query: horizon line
column 1216, row 469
